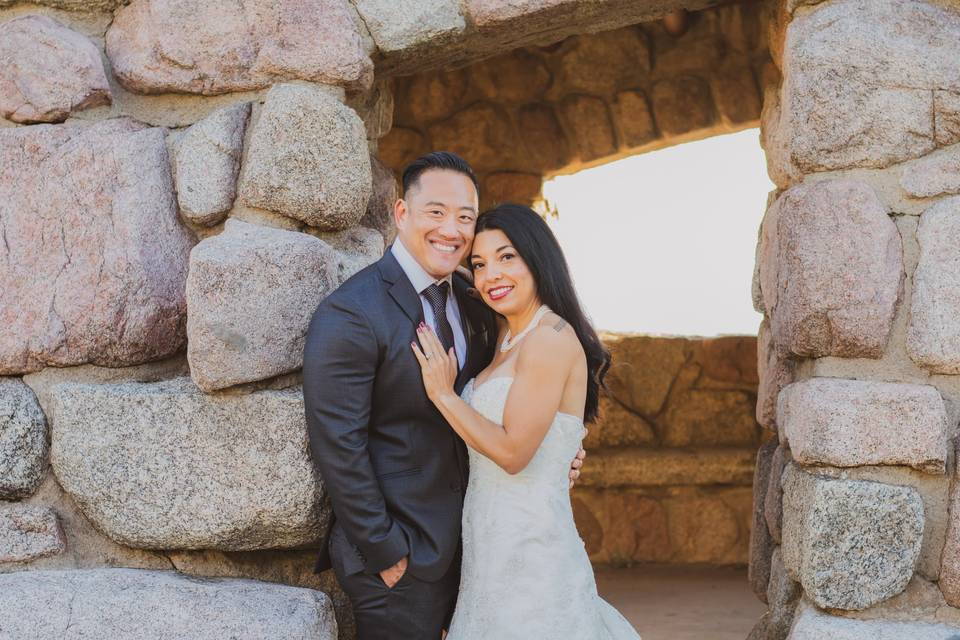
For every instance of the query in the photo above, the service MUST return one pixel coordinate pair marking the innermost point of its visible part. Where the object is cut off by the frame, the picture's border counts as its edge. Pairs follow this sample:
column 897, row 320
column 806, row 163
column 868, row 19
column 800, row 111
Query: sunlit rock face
column 856, row 93
column 207, row 161
column 250, row 296
column 308, row 159
column 831, row 269
column 193, row 46
column 165, row 466
column 49, row 72
column 94, row 259
column 853, row 423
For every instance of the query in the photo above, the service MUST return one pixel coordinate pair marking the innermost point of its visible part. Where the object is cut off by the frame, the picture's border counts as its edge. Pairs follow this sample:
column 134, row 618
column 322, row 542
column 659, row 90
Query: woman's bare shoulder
column 554, row 340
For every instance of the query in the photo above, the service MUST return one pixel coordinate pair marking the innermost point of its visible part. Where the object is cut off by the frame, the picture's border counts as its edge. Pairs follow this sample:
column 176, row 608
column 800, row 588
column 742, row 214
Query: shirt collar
column 416, row 274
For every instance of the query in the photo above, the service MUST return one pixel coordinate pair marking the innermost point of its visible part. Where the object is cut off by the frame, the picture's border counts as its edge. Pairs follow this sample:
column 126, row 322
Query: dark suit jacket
column 394, row 469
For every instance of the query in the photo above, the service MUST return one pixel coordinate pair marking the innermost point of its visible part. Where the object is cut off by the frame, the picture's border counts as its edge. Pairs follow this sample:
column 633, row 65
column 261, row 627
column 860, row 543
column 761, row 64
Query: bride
column 525, row 570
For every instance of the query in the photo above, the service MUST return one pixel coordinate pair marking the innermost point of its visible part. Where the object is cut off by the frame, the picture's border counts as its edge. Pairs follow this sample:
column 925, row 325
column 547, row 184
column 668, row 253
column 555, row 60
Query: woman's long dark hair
column 536, row 244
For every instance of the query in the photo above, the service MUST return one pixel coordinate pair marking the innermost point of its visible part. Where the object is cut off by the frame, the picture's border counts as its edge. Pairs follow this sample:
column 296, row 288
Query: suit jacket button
column 455, row 487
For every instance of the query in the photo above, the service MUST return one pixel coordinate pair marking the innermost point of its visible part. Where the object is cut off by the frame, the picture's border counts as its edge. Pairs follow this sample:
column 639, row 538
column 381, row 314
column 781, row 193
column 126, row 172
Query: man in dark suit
column 394, row 469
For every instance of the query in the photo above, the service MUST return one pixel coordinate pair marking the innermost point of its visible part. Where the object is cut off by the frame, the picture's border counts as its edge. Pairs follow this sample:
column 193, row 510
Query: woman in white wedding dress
column 525, row 571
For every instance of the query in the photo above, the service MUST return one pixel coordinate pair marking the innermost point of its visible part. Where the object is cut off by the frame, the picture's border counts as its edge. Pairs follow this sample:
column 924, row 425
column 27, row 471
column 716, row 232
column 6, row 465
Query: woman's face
column 500, row 274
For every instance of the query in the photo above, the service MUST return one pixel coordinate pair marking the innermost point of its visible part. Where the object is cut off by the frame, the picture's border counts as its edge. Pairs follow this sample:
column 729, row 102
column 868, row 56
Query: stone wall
column 668, row 477
column 858, row 279
column 671, row 461
column 175, row 173
column 541, row 111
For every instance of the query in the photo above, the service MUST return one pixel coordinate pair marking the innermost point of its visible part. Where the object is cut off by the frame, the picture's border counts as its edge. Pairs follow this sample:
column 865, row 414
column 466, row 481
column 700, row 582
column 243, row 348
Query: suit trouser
column 411, row 610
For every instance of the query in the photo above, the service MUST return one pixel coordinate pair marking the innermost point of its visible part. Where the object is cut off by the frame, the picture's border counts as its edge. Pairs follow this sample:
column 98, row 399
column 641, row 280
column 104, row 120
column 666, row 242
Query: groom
column 395, row 471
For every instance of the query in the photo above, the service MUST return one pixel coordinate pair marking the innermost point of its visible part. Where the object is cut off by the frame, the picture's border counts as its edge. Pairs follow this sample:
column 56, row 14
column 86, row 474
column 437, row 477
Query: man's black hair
column 437, row 160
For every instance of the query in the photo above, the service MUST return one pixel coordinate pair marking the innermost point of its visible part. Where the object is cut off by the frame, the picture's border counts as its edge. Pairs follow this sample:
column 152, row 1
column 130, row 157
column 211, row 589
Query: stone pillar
column 180, row 185
column 859, row 281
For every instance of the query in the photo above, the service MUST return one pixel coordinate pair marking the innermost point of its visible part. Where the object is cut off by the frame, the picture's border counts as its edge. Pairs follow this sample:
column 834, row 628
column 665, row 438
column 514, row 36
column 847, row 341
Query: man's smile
column 444, row 247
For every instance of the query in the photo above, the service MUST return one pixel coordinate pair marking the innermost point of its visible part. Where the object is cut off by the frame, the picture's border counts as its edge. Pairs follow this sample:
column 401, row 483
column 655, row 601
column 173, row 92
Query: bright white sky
column 664, row 242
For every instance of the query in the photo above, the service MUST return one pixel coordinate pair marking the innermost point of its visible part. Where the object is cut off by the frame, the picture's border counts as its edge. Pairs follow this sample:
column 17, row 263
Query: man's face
column 436, row 219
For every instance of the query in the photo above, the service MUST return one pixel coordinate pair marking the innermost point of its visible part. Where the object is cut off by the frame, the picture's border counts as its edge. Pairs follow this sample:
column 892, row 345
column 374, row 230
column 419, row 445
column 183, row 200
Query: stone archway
column 541, row 111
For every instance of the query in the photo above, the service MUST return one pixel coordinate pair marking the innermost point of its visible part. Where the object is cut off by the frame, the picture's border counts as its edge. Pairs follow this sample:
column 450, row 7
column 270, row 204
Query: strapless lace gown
column 525, row 571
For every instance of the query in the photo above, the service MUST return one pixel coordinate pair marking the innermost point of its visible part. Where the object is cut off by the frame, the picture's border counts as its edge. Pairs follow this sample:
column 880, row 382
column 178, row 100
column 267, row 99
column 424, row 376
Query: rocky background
column 181, row 182
column 671, row 460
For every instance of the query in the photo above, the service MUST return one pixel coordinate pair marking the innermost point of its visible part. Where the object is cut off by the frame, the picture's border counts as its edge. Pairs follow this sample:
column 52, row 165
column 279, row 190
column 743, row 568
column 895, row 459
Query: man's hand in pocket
column 392, row 575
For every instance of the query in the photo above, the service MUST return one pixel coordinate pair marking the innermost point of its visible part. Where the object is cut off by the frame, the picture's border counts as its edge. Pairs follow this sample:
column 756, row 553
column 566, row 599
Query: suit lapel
column 400, row 288
column 407, row 298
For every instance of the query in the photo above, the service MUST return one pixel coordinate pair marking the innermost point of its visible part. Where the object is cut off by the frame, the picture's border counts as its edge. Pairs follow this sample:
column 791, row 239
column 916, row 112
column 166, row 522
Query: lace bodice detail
column 525, row 572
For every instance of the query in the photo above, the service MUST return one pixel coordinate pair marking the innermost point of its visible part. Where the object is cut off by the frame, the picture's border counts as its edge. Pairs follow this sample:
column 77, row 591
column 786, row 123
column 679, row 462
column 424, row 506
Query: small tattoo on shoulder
column 560, row 325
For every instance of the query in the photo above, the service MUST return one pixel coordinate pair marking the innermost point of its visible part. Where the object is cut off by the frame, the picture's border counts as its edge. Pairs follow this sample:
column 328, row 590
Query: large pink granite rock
column 250, row 294
column 866, row 84
column 308, row 159
column 411, row 25
column 93, row 263
column 830, row 270
column 48, row 71
column 195, row 46
column 933, row 338
column 852, row 423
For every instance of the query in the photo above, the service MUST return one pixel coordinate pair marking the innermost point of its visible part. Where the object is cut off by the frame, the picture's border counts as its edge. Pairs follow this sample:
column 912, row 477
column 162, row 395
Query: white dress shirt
column 420, row 280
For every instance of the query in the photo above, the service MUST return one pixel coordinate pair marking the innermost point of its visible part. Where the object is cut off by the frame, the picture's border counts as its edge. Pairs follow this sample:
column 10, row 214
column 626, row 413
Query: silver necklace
column 508, row 344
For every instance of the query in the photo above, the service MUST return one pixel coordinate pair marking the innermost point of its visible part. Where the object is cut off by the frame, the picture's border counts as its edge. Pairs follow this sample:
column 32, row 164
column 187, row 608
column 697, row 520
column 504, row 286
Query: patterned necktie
column 437, row 297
